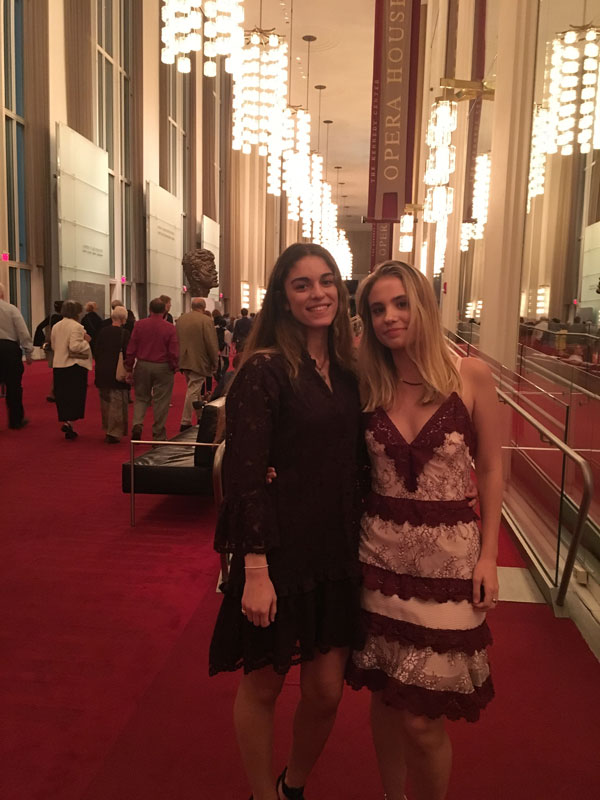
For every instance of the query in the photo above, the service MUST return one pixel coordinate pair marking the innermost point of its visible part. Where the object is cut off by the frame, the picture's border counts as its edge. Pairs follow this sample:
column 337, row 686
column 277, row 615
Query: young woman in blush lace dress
column 293, row 593
column 429, row 573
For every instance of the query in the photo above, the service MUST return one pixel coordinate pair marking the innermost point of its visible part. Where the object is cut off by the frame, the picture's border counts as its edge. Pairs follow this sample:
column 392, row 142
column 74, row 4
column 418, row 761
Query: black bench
column 179, row 467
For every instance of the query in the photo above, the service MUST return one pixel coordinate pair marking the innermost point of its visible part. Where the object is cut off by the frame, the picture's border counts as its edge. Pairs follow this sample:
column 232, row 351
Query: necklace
column 322, row 367
column 410, row 383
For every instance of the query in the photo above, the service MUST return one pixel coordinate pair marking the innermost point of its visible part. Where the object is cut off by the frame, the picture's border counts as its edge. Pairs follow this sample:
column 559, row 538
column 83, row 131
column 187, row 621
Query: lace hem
column 406, row 586
column 419, row 701
column 420, row 512
column 280, row 667
column 246, row 524
column 438, row 639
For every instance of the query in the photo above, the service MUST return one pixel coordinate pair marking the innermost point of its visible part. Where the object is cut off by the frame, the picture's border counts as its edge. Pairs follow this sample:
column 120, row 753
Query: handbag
column 120, row 372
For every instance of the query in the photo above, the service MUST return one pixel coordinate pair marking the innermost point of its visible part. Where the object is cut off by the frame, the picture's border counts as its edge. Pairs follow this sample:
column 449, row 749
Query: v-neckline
column 423, row 427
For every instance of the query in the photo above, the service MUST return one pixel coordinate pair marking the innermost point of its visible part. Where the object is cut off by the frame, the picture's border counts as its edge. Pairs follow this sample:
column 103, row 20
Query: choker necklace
column 410, row 383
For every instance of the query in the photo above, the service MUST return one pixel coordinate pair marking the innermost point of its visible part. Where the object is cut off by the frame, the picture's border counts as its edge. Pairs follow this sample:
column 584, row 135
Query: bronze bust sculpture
column 200, row 271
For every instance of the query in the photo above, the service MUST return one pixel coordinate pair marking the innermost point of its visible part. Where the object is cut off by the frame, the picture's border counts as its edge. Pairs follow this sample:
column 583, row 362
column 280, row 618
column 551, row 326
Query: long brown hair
column 426, row 346
column 275, row 329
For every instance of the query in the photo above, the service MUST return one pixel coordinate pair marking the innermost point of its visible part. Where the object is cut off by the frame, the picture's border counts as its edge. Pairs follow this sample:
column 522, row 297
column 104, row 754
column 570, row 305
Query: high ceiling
column 341, row 58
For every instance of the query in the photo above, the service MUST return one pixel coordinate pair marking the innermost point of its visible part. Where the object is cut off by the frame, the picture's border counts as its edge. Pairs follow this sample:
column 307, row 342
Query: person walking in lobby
column 154, row 350
column 91, row 321
column 241, row 330
column 198, row 354
column 15, row 339
column 72, row 362
column 113, row 389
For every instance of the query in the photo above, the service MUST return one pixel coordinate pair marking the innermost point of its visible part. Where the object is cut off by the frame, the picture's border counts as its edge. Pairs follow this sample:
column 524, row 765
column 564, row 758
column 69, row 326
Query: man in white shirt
column 14, row 338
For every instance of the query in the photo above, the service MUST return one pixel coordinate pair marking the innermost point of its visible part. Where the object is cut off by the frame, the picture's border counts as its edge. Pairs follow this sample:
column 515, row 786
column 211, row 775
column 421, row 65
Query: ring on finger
column 494, row 599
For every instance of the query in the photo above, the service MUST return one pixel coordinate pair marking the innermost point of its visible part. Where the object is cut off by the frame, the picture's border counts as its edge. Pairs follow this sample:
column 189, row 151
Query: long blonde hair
column 426, row 345
column 275, row 329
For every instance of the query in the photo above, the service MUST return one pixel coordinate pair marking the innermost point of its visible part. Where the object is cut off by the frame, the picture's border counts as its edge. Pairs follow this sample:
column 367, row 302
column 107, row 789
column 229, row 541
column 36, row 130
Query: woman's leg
column 321, row 684
column 428, row 756
column 253, row 719
column 387, row 730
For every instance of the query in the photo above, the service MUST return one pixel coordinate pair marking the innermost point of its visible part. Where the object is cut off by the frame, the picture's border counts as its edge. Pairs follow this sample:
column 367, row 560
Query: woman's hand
column 485, row 584
column 472, row 495
column 87, row 337
column 259, row 601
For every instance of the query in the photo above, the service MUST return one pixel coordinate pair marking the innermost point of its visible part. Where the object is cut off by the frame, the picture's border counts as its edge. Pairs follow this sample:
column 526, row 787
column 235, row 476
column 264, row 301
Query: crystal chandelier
column 572, row 91
column 539, row 149
column 183, row 23
column 181, row 33
column 260, row 75
column 481, row 194
column 223, row 32
column 296, row 159
column 407, row 228
column 441, row 160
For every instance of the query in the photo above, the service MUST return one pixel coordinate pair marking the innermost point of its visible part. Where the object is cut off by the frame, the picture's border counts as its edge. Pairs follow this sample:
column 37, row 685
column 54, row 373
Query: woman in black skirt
column 72, row 362
column 293, row 591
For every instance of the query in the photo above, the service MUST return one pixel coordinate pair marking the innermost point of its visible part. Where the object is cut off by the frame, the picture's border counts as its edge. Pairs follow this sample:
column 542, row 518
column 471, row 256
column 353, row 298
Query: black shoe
column 183, row 428
column 21, row 424
column 71, row 434
column 66, row 427
column 112, row 439
column 288, row 791
column 136, row 432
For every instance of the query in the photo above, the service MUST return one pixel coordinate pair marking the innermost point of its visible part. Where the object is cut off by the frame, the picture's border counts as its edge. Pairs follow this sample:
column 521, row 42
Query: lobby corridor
column 105, row 629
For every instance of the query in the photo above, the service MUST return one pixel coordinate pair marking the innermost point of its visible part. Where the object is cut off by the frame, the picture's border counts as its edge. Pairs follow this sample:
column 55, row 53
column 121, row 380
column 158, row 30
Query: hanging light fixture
column 473, row 229
column 571, row 93
column 407, row 228
column 539, row 150
column 183, row 25
column 441, row 160
column 223, row 31
column 181, row 32
column 259, row 99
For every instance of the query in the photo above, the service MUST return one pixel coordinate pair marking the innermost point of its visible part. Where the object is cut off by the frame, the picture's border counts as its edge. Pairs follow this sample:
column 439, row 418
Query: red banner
column 382, row 234
column 395, row 68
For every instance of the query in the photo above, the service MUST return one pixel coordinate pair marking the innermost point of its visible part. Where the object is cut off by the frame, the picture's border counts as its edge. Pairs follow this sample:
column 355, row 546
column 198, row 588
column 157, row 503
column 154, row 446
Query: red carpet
column 105, row 632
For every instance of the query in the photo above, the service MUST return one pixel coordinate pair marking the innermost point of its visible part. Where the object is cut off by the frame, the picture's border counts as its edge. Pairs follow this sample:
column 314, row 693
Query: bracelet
column 262, row 566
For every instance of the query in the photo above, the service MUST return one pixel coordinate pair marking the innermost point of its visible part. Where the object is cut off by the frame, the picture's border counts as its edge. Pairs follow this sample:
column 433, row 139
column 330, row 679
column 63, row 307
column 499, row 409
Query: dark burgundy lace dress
column 426, row 643
column 306, row 521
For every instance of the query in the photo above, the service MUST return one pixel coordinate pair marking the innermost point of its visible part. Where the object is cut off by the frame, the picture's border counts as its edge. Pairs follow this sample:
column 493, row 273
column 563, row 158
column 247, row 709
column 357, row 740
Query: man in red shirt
column 154, row 349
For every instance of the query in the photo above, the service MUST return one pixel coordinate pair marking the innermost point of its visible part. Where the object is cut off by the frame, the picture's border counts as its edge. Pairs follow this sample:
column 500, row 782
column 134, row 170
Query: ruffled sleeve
column 247, row 520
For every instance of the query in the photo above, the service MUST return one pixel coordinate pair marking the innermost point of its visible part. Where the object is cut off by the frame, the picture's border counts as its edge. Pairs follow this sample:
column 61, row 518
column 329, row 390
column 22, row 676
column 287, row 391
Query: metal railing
column 588, row 490
column 537, row 465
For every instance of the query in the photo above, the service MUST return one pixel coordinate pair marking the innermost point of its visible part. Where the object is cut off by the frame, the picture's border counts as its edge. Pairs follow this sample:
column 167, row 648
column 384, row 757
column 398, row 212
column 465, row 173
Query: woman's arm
column 77, row 341
column 488, row 468
column 247, row 524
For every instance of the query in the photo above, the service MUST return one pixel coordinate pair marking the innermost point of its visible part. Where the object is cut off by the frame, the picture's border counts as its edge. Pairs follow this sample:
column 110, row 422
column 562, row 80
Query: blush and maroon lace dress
column 306, row 521
column 426, row 643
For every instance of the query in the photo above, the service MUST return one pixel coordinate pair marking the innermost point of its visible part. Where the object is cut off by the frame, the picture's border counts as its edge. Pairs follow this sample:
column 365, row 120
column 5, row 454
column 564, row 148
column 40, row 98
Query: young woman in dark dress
column 293, row 592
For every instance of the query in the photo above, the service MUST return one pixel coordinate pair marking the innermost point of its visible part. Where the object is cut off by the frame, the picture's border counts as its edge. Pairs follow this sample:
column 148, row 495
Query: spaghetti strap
column 459, row 361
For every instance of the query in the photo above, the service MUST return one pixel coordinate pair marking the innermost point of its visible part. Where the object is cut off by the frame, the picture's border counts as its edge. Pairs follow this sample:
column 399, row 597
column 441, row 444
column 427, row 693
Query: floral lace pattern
column 425, row 646
column 422, row 702
column 442, row 552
